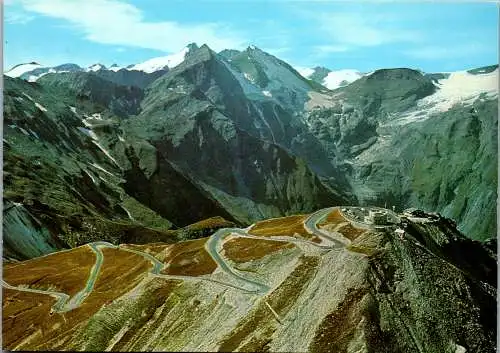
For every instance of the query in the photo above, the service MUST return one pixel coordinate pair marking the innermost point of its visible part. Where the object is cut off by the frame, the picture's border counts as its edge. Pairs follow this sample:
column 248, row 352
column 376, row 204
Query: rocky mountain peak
column 395, row 74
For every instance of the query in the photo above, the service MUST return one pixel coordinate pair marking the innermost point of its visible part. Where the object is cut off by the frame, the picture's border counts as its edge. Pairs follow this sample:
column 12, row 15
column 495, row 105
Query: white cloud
column 118, row 23
column 277, row 51
column 17, row 17
column 358, row 30
column 452, row 50
column 304, row 71
column 328, row 49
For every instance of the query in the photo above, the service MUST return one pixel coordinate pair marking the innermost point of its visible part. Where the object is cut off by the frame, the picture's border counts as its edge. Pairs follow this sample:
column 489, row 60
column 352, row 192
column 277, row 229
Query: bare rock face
column 314, row 283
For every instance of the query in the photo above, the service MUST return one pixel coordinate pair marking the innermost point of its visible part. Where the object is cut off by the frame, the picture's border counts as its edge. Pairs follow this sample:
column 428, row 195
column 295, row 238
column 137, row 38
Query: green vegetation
column 145, row 215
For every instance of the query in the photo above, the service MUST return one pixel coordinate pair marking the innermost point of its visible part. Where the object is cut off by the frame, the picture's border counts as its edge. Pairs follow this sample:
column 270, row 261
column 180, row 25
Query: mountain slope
column 413, row 140
column 59, row 176
column 102, row 166
column 200, row 104
column 369, row 290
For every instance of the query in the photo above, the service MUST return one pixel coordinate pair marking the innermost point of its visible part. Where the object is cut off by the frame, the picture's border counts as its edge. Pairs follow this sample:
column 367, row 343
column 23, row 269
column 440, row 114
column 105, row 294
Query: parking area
column 370, row 216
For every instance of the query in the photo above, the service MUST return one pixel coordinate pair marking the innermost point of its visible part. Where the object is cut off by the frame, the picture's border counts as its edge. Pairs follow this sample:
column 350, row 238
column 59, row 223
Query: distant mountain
column 192, row 133
column 409, row 138
column 331, row 79
column 163, row 62
column 33, row 71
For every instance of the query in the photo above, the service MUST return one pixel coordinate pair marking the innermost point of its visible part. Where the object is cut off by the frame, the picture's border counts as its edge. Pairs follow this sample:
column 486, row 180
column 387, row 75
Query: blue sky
column 363, row 35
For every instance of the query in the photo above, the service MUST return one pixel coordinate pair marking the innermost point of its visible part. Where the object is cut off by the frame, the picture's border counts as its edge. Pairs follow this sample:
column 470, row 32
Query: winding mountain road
column 311, row 225
column 62, row 298
column 213, row 246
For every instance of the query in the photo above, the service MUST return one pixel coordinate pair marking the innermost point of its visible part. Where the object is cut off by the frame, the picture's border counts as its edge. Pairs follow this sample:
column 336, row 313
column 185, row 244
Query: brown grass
column 65, row 272
column 282, row 227
column 29, row 312
column 157, row 298
column 212, row 222
column 22, row 315
column 351, row 232
column 281, row 300
column 245, row 249
column 333, row 217
column 337, row 329
column 189, row 258
column 153, row 248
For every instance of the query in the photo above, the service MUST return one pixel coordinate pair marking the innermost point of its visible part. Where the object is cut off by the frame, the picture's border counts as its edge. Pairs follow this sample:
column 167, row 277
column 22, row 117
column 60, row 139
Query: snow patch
column 27, row 96
column 248, row 77
column 161, row 62
column 95, row 67
column 73, row 109
column 304, row 71
column 460, row 87
column 115, row 68
column 41, row 107
column 335, row 79
column 19, row 70
column 24, row 131
column 35, row 134
column 95, row 165
column 106, row 152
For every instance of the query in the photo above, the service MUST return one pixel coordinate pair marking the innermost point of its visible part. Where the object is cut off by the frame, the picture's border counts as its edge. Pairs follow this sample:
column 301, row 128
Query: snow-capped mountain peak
column 115, row 68
column 96, row 67
column 20, row 69
column 159, row 63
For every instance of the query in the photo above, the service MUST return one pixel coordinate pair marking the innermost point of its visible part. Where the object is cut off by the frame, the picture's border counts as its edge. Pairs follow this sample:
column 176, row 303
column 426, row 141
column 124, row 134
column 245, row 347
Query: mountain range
column 247, row 137
column 223, row 201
